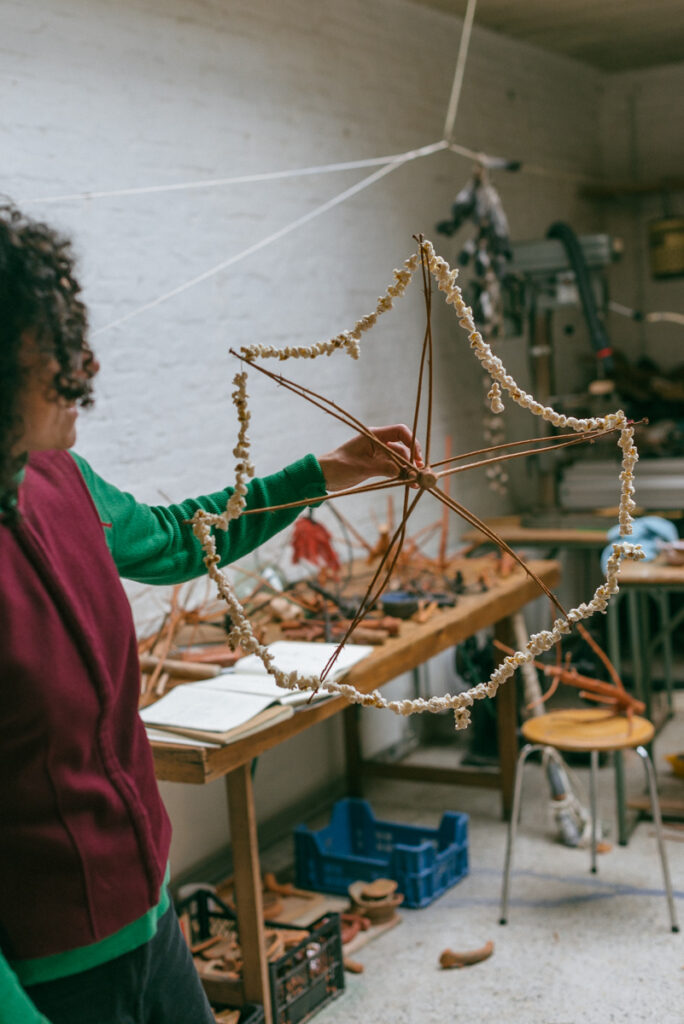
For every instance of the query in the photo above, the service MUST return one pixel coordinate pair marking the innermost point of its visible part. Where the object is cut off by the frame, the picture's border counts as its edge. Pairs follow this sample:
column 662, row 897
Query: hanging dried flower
column 311, row 542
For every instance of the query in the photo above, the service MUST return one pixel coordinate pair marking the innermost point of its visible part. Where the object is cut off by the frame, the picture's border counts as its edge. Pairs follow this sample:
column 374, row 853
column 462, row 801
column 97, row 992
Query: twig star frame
column 415, row 484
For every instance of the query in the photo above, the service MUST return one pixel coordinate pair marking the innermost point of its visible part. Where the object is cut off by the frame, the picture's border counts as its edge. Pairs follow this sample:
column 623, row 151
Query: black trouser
column 154, row 984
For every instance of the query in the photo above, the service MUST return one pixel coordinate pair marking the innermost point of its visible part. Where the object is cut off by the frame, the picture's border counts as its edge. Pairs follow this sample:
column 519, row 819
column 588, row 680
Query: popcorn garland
column 493, row 434
column 494, row 398
column 347, row 340
column 203, row 522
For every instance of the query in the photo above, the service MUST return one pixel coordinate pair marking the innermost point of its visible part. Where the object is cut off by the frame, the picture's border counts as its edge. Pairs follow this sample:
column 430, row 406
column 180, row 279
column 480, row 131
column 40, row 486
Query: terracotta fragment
column 379, row 889
column 450, row 959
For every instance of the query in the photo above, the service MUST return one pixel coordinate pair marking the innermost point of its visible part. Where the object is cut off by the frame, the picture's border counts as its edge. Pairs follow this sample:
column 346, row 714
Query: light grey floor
column 578, row 948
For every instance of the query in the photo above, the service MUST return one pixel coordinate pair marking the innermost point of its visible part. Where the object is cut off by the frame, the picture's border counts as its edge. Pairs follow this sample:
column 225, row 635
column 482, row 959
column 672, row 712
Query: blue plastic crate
column 355, row 847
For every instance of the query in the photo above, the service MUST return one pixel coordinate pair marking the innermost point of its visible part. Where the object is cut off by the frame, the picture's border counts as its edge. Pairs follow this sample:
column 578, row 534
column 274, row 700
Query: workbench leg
column 613, row 613
column 507, row 723
column 637, row 640
column 352, row 747
column 662, row 599
column 620, row 798
column 614, row 653
column 248, row 898
column 646, row 652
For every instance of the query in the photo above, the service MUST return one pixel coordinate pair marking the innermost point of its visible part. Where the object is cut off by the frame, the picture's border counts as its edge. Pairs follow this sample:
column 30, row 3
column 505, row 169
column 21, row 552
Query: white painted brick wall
column 142, row 92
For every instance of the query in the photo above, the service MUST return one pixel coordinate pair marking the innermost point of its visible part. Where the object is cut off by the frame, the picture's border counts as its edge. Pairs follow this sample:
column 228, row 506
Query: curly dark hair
column 38, row 293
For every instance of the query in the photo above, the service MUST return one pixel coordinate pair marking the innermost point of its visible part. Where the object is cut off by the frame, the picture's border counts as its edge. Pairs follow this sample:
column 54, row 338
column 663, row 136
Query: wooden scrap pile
column 190, row 644
column 299, row 955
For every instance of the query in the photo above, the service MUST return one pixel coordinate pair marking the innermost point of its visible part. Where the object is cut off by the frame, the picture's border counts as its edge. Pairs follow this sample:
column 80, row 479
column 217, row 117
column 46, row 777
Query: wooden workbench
column 581, row 544
column 511, row 530
column 415, row 645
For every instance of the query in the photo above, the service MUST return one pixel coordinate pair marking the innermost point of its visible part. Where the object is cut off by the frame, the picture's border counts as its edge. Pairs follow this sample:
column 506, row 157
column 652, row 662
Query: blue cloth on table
column 649, row 531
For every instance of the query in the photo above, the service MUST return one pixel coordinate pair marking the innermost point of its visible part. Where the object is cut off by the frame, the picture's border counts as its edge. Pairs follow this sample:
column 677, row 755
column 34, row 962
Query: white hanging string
column 276, row 235
column 460, row 69
column 300, row 172
column 349, row 165
column 633, row 314
column 387, row 165
column 396, row 158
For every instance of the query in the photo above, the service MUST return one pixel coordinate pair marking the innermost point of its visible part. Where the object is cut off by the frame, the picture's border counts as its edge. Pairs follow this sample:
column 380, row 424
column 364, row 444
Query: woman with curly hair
column 39, row 296
column 87, row 931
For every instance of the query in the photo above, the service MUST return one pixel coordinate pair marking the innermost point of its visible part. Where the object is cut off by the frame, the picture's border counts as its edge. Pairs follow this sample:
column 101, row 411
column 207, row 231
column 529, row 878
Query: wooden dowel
column 179, row 669
column 601, row 654
column 369, row 598
column 471, row 518
column 572, row 678
column 352, row 529
column 445, row 511
column 425, row 357
column 588, row 435
column 509, row 456
column 428, row 307
column 327, row 405
column 362, row 489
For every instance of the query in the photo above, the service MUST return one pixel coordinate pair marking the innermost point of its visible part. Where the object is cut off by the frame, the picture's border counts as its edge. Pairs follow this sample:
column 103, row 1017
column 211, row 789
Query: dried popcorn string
column 349, row 341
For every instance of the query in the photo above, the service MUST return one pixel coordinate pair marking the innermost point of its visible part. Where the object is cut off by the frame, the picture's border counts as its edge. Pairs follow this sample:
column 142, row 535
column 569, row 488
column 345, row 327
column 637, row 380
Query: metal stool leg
column 593, row 799
column 662, row 599
column 636, row 621
column 613, row 631
column 620, row 798
column 513, row 826
column 658, row 822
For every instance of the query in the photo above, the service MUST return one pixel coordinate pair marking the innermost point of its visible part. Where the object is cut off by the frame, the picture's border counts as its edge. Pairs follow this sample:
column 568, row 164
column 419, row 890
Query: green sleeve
column 155, row 544
column 15, row 1005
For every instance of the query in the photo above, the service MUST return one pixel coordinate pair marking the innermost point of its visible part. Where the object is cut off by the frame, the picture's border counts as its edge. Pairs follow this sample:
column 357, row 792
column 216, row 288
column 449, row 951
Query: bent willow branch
column 416, row 484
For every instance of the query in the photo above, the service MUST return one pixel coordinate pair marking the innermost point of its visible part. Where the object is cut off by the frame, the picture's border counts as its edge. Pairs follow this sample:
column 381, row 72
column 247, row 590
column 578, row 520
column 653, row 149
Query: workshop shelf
column 355, row 847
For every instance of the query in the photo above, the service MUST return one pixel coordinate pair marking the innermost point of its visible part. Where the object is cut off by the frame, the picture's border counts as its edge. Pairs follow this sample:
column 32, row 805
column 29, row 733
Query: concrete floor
column 578, row 948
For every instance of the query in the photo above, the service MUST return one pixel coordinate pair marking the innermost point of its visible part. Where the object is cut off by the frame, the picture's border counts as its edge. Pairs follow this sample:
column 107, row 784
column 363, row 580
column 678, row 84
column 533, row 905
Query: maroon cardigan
column 84, row 837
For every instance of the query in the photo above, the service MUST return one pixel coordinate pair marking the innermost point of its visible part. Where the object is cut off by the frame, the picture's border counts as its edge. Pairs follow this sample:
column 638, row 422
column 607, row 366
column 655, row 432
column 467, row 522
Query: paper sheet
column 198, row 706
column 255, row 683
column 159, row 736
column 307, row 659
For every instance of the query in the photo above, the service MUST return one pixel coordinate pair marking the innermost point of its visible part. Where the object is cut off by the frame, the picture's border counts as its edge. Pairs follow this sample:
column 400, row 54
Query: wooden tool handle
column 179, row 669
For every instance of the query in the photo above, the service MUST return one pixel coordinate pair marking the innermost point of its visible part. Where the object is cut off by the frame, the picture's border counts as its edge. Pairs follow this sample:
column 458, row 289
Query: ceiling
column 612, row 35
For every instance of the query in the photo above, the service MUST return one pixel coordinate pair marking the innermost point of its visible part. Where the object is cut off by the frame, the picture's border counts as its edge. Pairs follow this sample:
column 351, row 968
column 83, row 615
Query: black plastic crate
column 250, row 1013
column 302, row 980
column 310, row 975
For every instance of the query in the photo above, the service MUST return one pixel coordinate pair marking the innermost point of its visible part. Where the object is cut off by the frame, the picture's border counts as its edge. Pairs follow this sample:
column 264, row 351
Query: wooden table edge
column 416, row 644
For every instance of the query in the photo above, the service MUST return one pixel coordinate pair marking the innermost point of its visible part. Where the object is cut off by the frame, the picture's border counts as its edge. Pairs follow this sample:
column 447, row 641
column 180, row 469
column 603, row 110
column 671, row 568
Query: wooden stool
column 587, row 730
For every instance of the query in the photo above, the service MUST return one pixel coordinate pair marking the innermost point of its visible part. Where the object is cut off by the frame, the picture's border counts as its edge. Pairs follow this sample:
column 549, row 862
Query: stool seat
column 587, row 729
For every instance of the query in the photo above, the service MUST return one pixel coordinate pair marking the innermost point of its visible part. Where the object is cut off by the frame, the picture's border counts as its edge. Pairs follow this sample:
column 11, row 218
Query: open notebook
column 246, row 699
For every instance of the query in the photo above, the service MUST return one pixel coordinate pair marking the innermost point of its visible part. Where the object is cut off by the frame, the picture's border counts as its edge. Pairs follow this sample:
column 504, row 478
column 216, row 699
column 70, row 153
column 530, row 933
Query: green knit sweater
column 155, row 544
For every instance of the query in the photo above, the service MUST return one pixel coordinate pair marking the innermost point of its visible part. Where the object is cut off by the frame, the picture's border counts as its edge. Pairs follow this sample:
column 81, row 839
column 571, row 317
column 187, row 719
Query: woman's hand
column 360, row 458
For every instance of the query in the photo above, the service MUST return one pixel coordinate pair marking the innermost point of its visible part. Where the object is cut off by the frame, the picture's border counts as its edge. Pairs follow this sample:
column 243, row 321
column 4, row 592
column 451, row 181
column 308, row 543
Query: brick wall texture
column 101, row 96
